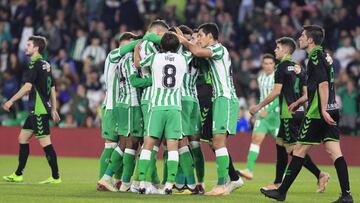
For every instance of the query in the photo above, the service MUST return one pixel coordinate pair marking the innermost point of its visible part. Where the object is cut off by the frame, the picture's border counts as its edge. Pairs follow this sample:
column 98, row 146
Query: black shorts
column 289, row 130
column 313, row 131
column 205, row 102
column 38, row 124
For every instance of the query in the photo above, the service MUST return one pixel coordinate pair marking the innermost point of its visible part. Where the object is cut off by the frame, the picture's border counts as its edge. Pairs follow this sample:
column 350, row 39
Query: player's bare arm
column 324, row 96
column 271, row 97
column 294, row 106
column 137, row 55
column 54, row 113
column 25, row 89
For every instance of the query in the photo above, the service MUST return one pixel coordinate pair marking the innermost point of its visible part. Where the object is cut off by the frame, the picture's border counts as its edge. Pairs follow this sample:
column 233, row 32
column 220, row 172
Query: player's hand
column 328, row 118
column 180, row 35
column 263, row 114
column 297, row 69
column 253, row 110
column 293, row 107
column 329, row 59
column 55, row 116
column 7, row 106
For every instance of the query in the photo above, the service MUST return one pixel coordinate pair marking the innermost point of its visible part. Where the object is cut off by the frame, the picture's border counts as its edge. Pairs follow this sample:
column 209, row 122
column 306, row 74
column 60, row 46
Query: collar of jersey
column 36, row 58
column 287, row 58
column 314, row 50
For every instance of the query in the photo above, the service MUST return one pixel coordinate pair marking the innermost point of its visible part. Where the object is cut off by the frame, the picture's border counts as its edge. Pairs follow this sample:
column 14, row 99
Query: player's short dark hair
column 315, row 32
column 211, row 28
column 185, row 30
column 38, row 41
column 160, row 23
column 172, row 29
column 288, row 42
column 127, row 36
column 268, row 56
column 195, row 30
column 170, row 42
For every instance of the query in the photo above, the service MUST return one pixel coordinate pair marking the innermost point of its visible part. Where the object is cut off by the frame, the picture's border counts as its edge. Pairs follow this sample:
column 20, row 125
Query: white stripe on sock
column 173, row 156
column 119, row 151
column 222, row 152
column 130, row 151
column 110, row 145
column 145, row 154
column 184, row 149
column 254, row 148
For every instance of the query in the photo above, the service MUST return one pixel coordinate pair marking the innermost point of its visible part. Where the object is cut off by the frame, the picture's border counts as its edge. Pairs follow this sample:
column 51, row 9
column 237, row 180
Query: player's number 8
column 169, row 79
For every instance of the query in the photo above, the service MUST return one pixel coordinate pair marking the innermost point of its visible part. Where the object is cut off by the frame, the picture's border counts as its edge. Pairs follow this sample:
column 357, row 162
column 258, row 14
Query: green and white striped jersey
column 111, row 82
column 189, row 86
column 128, row 94
column 221, row 75
column 266, row 84
column 146, row 48
column 167, row 72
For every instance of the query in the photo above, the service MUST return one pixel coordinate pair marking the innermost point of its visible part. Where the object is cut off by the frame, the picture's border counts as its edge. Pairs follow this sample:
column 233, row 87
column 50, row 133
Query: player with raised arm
column 225, row 103
column 322, row 116
column 40, row 86
column 167, row 72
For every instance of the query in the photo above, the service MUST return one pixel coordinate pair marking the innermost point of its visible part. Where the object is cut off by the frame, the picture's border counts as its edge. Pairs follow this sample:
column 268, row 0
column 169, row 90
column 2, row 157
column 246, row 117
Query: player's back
column 168, row 71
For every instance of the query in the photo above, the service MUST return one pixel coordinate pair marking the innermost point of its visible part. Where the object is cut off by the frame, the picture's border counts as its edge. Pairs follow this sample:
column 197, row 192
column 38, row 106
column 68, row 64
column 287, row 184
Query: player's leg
column 24, row 137
column 199, row 161
column 108, row 125
column 334, row 150
column 154, row 127
column 165, row 159
column 129, row 162
column 42, row 132
column 256, row 139
column 187, row 164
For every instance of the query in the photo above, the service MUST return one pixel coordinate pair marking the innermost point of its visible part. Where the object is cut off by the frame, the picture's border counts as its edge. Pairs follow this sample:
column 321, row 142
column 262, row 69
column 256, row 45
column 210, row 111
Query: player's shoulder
column 316, row 55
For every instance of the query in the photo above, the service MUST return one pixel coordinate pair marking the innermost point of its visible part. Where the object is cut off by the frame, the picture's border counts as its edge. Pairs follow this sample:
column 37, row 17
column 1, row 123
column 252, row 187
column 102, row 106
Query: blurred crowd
column 80, row 33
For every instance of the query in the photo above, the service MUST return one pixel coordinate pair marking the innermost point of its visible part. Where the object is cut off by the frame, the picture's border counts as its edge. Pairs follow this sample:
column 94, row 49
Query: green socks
column 105, row 157
column 129, row 164
column 187, row 165
column 222, row 164
column 151, row 174
column 144, row 162
column 199, row 160
column 252, row 156
column 172, row 165
column 116, row 162
column 165, row 159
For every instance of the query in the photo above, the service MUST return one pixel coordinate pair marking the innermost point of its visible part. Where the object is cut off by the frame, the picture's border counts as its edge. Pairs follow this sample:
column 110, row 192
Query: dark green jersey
column 203, row 83
column 39, row 75
column 318, row 71
column 291, row 86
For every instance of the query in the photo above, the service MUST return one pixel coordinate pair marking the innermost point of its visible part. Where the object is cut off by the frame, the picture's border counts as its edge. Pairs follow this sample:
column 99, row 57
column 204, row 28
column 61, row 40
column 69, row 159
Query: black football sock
column 281, row 163
column 309, row 165
column 52, row 160
column 291, row 173
column 232, row 172
column 343, row 175
column 23, row 156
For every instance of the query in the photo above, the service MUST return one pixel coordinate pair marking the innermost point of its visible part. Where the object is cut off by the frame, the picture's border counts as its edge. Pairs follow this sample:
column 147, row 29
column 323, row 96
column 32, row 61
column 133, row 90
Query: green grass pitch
column 79, row 177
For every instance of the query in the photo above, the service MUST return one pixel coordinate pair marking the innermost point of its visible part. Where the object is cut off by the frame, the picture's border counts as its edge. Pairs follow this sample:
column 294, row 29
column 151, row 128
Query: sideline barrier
column 87, row 142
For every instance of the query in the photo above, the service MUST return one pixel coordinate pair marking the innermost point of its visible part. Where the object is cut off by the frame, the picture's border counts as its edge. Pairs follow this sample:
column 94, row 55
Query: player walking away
column 291, row 89
column 42, row 104
column 168, row 69
column 225, row 105
column 146, row 48
column 112, row 155
column 267, row 120
column 320, row 122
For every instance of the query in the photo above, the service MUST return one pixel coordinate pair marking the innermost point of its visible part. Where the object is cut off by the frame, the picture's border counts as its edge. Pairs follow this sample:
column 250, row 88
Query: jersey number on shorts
column 169, row 79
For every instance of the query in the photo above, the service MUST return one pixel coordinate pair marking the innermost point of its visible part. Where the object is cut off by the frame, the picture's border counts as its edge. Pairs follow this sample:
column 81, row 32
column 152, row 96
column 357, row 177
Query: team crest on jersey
column 46, row 67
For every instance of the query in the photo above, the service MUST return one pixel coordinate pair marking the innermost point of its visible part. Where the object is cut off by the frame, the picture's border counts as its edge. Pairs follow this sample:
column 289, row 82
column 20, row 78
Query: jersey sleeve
column 279, row 74
column 30, row 75
column 217, row 51
column 320, row 67
column 147, row 61
column 150, row 48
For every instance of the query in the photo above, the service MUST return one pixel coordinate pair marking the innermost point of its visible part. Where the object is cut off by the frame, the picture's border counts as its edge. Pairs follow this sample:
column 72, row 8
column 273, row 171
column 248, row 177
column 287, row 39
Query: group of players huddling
column 173, row 87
